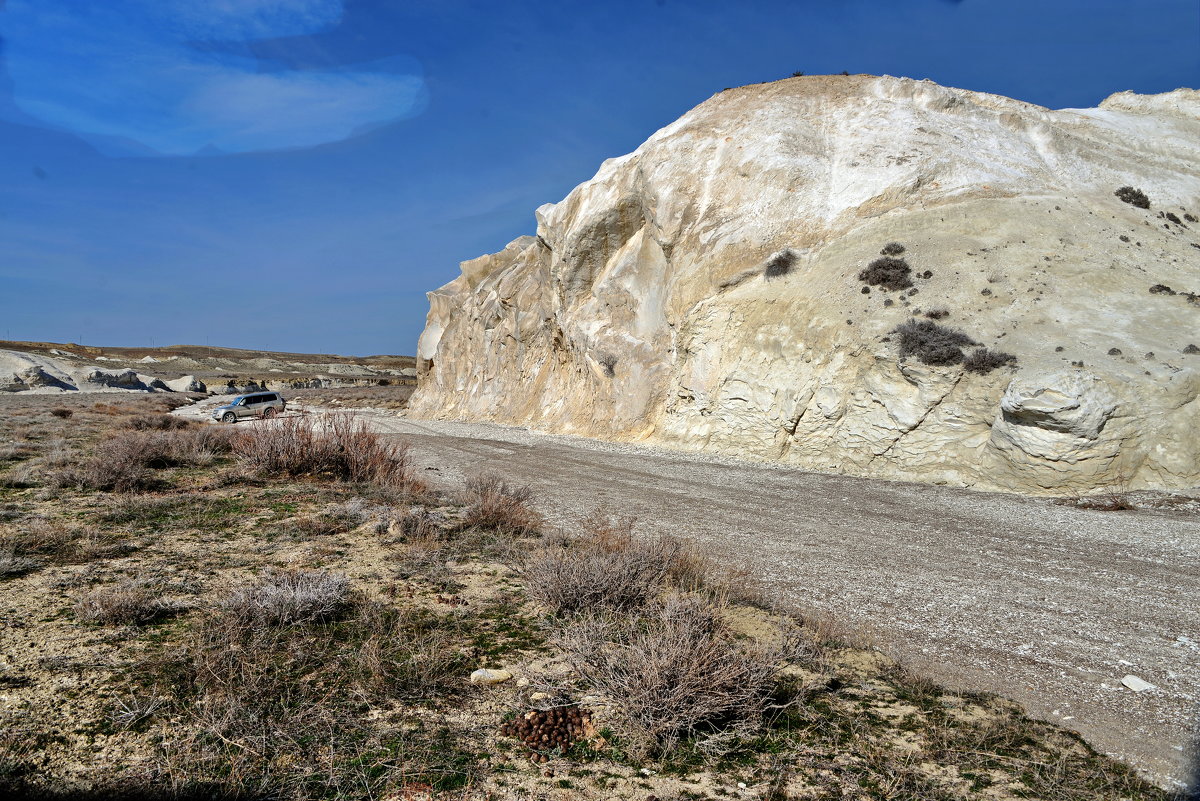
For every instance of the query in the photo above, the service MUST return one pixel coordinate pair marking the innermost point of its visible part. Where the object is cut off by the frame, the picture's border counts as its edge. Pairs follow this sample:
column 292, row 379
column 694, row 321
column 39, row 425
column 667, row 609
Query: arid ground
column 1042, row 602
column 302, row 609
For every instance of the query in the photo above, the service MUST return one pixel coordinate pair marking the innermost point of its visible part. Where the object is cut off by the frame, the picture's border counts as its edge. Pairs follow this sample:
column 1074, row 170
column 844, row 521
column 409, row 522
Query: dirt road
column 1046, row 604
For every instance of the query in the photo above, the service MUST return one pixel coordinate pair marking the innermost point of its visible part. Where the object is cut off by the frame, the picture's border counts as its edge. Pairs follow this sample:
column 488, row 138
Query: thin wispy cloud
column 133, row 76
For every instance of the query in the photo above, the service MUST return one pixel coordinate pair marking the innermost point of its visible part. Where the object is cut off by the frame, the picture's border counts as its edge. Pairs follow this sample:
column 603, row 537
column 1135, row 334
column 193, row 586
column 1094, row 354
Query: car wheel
column 229, row 417
column 269, row 412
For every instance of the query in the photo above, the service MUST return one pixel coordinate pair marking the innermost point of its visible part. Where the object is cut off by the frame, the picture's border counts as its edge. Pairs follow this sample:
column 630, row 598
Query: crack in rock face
column 706, row 292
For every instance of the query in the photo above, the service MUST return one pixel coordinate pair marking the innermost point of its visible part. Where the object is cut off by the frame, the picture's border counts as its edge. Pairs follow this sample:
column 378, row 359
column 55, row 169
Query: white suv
column 259, row 404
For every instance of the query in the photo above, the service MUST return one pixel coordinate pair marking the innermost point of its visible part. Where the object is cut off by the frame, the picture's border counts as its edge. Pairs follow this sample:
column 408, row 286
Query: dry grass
column 336, row 446
column 127, row 461
column 130, row 603
column 288, row 597
column 33, row 542
column 607, row 567
column 495, row 504
column 278, row 710
column 604, row 568
column 13, row 565
column 671, row 672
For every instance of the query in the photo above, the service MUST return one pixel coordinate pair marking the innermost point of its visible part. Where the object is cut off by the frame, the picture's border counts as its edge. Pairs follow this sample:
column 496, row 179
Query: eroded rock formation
column 704, row 292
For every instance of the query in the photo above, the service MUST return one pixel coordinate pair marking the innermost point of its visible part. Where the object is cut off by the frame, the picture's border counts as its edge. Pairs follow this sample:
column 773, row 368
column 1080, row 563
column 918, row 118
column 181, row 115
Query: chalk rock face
column 187, row 383
column 24, row 371
column 704, row 292
column 113, row 379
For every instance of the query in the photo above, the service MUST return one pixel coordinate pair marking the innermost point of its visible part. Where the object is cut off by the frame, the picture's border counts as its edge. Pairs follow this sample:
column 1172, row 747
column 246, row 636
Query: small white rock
column 741, row 785
column 487, row 676
column 1136, row 684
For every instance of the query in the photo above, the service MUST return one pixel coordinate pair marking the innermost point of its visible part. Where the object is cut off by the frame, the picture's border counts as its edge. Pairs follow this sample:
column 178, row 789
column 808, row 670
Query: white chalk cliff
column 642, row 310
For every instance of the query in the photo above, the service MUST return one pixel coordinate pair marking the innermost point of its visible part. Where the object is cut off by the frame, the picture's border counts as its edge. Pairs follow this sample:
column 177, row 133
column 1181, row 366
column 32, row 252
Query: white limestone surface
column 640, row 311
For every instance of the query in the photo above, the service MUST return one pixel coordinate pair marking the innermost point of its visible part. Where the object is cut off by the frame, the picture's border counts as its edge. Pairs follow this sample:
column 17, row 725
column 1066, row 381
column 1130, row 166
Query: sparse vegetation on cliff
column 1134, row 197
column 887, row 272
column 931, row 343
column 984, row 361
column 780, row 264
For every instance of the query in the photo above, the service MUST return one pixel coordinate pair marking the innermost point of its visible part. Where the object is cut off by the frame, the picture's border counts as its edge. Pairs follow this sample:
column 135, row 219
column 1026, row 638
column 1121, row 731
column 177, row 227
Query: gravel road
column 1045, row 604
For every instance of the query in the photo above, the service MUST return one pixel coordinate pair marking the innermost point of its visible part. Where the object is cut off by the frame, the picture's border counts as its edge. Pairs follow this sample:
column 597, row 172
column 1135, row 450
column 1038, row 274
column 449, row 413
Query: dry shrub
column 62, row 413
column 353, row 513
column 984, row 361
column 780, row 264
column 892, row 249
column 124, row 462
column 672, row 672
column 1113, row 502
column 13, row 565
column 129, row 603
column 288, row 597
column 15, row 451
column 277, row 711
column 605, row 568
column 52, row 541
column 931, row 343
column 336, row 446
column 157, row 422
column 1134, row 197
column 887, row 272
column 22, row 477
column 496, row 504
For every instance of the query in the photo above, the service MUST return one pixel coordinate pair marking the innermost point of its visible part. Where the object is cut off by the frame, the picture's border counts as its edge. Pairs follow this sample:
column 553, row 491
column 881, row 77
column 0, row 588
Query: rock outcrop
column 709, row 291
column 187, row 383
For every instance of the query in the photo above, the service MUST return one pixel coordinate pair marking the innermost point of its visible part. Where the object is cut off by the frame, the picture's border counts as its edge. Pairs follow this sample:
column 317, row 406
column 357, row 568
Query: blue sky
column 296, row 174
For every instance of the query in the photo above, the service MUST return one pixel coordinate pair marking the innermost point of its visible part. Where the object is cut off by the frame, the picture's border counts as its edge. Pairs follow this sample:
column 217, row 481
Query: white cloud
column 125, row 70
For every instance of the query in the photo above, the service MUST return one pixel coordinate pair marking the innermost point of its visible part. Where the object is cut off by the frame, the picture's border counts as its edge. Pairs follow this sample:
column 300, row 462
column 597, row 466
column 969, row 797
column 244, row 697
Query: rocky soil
column 1039, row 600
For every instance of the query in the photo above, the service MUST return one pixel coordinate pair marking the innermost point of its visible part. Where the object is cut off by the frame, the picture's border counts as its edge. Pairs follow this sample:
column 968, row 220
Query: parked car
column 258, row 404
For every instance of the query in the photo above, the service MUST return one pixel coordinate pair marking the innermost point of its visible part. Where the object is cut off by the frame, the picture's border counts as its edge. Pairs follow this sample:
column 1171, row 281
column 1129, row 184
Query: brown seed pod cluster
column 545, row 730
